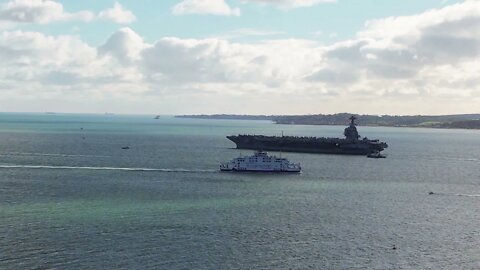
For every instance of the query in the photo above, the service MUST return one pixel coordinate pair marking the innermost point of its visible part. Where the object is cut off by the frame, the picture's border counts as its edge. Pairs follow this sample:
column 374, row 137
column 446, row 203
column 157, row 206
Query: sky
column 240, row 56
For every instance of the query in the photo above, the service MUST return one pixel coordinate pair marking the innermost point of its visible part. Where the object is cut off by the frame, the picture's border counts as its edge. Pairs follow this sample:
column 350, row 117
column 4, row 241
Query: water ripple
column 14, row 166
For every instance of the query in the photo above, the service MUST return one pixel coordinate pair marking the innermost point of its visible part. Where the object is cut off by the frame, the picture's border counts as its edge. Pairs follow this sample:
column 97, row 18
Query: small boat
column 157, row 117
column 376, row 154
column 260, row 162
column 125, row 147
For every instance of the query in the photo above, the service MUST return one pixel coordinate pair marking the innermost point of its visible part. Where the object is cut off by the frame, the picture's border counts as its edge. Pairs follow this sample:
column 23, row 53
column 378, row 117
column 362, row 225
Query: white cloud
column 48, row 11
column 248, row 32
column 214, row 7
column 288, row 4
column 402, row 48
column 117, row 14
column 219, row 61
column 124, row 45
column 39, row 50
column 39, row 11
column 428, row 63
column 220, row 7
column 43, row 66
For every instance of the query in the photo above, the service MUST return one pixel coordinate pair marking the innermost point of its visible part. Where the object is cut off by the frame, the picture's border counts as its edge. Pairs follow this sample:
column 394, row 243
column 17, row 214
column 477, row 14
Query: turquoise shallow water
column 71, row 198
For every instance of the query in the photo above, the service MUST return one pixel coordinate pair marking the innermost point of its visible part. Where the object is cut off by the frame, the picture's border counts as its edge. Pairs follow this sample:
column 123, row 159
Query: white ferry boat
column 260, row 162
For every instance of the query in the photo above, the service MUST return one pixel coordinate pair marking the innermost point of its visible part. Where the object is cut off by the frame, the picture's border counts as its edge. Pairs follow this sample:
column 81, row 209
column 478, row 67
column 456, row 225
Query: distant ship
column 350, row 145
column 260, row 162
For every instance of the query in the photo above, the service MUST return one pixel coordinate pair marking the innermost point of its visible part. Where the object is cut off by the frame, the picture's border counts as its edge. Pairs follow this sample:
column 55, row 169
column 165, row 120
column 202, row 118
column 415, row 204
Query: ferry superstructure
column 260, row 162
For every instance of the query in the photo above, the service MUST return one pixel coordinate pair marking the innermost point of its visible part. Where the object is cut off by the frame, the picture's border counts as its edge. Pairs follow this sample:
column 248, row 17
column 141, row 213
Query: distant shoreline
column 455, row 121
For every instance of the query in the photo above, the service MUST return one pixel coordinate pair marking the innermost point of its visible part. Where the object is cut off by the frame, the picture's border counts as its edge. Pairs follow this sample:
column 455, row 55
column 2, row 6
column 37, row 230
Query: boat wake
column 455, row 194
column 464, row 159
column 28, row 154
column 179, row 170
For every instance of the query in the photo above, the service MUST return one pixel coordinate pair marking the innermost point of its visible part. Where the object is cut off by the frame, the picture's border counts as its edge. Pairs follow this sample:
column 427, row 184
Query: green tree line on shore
column 467, row 121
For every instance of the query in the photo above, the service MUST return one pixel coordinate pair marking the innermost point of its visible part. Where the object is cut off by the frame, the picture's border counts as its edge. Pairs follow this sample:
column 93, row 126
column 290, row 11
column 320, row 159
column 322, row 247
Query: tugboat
column 260, row 162
column 376, row 154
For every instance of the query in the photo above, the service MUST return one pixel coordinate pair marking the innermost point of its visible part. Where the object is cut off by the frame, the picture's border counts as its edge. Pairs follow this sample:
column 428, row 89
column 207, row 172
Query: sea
column 72, row 198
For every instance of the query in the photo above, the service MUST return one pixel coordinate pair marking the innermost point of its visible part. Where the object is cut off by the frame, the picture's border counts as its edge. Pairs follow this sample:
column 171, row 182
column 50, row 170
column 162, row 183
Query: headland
column 454, row 121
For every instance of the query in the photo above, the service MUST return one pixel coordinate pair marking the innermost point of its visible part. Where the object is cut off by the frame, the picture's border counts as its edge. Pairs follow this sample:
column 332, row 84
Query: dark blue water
column 71, row 198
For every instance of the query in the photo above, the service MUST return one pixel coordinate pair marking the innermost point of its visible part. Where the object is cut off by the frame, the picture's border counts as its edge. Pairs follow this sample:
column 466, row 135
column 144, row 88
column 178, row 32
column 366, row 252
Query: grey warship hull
column 350, row 145
column 308, row 145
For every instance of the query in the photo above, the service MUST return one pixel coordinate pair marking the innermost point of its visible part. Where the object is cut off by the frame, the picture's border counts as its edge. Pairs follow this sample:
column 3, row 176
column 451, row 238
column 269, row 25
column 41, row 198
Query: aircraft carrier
column 352, row 144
